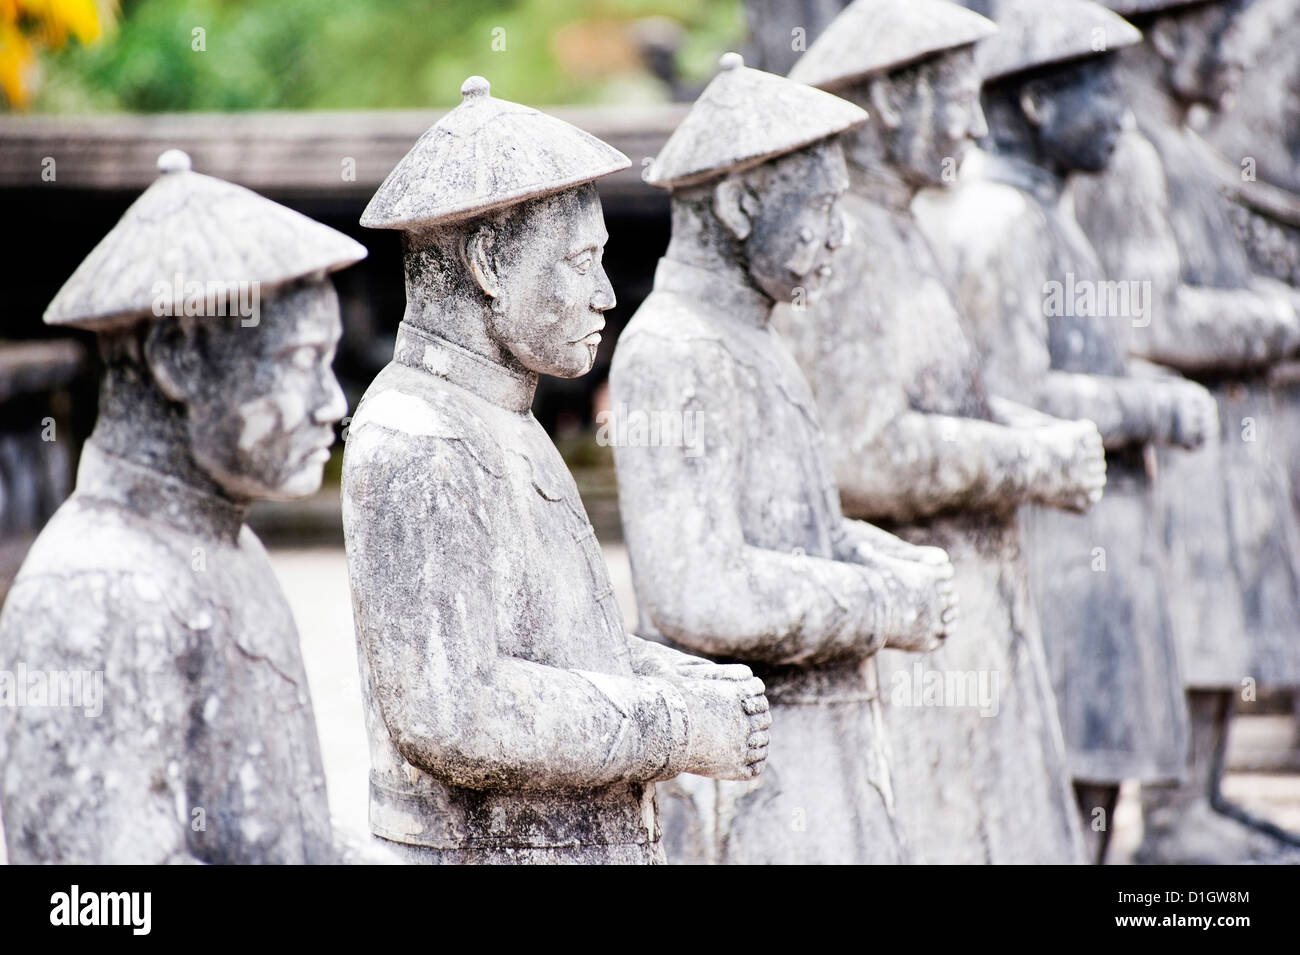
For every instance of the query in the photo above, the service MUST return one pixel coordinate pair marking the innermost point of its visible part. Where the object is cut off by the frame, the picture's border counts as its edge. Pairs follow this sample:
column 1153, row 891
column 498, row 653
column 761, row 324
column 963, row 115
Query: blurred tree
column 29, row 26
column 176, row 55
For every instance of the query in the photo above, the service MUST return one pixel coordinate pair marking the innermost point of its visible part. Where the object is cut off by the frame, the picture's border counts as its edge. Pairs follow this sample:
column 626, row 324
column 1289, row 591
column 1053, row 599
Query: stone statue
column 917, row 442
column 738, row 547
column 167, row 715
column 1053, row 335
column 511, row 716
column 1157, row 217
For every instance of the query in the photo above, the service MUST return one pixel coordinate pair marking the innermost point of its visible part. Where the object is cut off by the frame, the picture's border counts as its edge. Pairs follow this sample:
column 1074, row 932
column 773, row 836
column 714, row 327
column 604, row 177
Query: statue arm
column 655, row 659
column 923, row 464
column 1215, row 330
column 423, row 545
column 1130, row 410
column 704, row 585
column 106, row 787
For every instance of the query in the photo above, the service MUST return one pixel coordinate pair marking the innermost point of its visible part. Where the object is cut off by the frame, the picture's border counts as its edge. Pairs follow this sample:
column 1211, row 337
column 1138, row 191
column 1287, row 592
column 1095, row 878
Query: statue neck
column 492, row 381
column 701, row 241
column 460, row 316
column 142, row 442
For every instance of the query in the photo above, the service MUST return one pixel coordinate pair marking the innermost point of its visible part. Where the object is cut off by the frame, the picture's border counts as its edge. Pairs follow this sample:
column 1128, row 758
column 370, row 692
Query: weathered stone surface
column 476, row 150
column 719, row 133
column 738, row 545
column 781, row 30
column 203, row 229
column 1156, row 217
column 915, row 440
column 1003, row 237
column 193, row 738
column 511, row 717
column 1037, row 33
column 1216, row 320
column 874, row 36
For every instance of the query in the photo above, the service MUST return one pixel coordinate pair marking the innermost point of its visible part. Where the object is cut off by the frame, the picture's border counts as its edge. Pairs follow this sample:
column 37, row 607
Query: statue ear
column 171, row 355
column 1036, row 107
column 882, row 103
column 477, row 254
column 734, row 205
column 1163, row 40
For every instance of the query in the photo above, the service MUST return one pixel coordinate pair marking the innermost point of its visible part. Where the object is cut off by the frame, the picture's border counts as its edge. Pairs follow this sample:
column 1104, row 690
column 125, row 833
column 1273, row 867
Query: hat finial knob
column 474, row 87
column 731, row 61
column 174, row 160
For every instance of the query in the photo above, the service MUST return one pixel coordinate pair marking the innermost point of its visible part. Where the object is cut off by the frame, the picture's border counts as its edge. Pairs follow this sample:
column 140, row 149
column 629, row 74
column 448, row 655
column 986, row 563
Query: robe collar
column 737, row 301
column 155, row 496
column 493, row 382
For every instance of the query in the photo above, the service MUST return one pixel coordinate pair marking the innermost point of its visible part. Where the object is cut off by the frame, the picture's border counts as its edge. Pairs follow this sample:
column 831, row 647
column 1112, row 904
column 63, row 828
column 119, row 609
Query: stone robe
column 511, row 716
column 1099, row 576
column 890, row 366
column 206, row 749
column 1237, row 563
column 739, row 551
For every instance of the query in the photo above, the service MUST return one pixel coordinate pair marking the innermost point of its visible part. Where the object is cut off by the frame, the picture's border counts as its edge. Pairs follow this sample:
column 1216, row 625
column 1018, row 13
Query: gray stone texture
column 202, row 747
column 738, row 545
column 1218, row 321
column 511, row 717
column 1001, row 237
column 916, row 441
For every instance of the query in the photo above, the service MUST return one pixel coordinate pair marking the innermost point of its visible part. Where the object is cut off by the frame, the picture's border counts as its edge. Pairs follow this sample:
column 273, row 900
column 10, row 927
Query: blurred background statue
column 175, row 723
column 1157, row 216
column 1054, row 336
column 916, row 441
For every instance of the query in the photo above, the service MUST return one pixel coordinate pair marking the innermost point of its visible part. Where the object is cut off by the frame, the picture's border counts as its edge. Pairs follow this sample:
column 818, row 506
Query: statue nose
column 603, row 299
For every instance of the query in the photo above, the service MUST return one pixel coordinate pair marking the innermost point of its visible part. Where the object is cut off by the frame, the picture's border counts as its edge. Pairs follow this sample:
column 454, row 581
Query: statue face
column 938, row 117
column 262, row 401
column 1204, row 62
column 551, row 288
column 1078, row 113
column 794, row 220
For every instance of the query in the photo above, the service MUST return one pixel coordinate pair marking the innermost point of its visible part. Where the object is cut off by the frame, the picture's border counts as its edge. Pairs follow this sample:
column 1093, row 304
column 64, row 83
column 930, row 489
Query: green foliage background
column 362, row 54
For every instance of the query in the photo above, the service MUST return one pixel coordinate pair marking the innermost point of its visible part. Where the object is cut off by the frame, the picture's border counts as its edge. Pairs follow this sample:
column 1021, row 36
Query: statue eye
column 304, row 359
column 582, row 262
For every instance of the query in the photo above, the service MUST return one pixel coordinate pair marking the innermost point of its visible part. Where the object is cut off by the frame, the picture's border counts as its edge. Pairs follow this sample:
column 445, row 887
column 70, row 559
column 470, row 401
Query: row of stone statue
column 860, row 334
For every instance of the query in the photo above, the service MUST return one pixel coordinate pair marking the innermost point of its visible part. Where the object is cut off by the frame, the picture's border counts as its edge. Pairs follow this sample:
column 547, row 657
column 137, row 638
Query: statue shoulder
column 668, row 331
column 92, row 580
column 978, row 221
column 412, row 439
column 405, row 414
column 88, row 538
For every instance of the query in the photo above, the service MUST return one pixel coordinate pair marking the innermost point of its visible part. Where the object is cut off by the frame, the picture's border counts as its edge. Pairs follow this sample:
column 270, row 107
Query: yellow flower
column 26, row 26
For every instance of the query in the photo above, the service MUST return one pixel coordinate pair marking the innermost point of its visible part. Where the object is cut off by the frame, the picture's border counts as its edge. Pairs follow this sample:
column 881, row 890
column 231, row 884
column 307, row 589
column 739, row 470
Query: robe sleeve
column 702, row 583
column 102, row 780
column 425, row 537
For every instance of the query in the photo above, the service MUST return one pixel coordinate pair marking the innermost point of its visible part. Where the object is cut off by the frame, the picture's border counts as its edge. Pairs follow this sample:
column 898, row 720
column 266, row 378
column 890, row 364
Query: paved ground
column 317, row 587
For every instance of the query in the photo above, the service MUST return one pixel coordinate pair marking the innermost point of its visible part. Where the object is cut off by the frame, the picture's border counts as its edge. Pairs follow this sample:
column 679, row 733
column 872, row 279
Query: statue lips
column 318, row 452
column 592, row 338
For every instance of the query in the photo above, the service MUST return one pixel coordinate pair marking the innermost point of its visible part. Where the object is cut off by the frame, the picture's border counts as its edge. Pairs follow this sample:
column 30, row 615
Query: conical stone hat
column 743, row 117
column 485, row 154
column 203, row 229
column 1034, row 33
column 875, row 36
